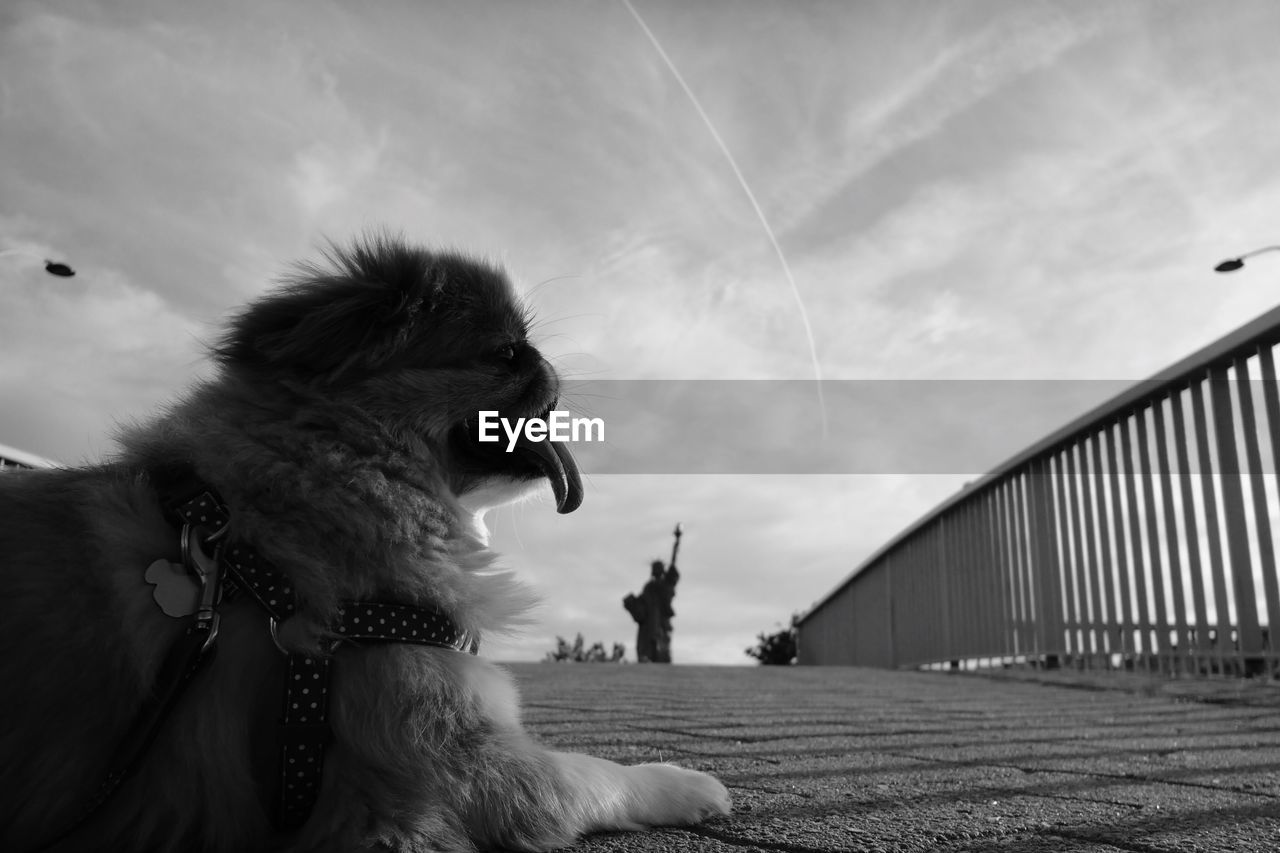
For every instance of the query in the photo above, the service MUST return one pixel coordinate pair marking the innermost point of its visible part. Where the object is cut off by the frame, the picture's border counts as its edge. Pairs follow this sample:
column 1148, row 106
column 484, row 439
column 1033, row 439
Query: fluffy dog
column 339, row 434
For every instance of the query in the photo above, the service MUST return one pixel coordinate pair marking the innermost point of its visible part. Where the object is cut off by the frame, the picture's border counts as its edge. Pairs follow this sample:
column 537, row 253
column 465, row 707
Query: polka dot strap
column 304, row 733
column 202, row 509
column 263, row 581
column 302, row 736
column 402, row 623
column 361, row 620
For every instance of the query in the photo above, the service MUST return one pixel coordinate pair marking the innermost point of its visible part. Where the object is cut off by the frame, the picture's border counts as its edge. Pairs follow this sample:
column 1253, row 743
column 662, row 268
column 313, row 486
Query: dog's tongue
column 555, row 460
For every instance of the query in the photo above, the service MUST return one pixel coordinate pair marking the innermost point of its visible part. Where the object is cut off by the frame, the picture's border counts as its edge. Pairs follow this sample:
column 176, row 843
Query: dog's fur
column 335, row 430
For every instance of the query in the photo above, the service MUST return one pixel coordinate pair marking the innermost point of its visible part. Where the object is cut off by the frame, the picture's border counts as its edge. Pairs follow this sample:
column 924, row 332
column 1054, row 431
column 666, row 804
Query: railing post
column 1109, row 640
column 1044, row 566
column 1062, row 553
column 1248, row 633
column 890, row 651
column 1217, row 571
column 1271, row 403
column 944, row 563
column 1157, row 629
column 1141, row 637
column 1184, row 653
column 1201, row 648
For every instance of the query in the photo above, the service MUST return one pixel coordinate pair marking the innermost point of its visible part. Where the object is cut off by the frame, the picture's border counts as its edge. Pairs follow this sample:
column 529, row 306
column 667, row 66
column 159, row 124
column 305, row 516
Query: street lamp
column 57, row 268
column 1233, row 264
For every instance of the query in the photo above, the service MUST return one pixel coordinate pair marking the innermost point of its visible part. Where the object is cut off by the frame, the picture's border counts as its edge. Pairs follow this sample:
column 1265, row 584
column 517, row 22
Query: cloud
column 941, row 76
column 324, row 175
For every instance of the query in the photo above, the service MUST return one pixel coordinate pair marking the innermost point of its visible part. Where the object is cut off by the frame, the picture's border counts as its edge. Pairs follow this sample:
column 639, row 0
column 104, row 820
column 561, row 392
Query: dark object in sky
column 1233, row 264
column 59, row 269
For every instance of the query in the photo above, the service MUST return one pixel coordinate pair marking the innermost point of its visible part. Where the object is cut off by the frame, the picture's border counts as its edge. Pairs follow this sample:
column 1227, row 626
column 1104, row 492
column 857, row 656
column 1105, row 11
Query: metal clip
column 275, row 636
column 207, row 570
column 328, row 645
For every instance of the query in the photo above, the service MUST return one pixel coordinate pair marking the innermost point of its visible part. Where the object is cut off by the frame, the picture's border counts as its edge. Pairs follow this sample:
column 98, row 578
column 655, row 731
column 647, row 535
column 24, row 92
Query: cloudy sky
column 965, row 191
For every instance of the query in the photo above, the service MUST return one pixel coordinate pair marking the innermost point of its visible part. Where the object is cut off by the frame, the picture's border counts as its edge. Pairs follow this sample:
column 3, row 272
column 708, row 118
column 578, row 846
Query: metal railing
column 1141, row 535
column 12, row 458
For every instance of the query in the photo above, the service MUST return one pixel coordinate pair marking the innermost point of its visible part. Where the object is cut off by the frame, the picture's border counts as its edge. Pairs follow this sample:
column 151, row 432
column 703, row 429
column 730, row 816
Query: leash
column 192, row 651
column 233, row 569
column 189, row 654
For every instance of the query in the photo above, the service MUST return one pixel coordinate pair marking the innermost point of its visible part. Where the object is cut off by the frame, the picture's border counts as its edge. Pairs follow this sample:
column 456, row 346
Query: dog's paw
column 673, row 796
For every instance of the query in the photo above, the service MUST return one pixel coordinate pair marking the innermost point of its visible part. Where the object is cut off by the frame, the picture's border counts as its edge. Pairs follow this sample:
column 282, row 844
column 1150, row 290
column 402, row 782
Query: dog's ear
column 323, row 322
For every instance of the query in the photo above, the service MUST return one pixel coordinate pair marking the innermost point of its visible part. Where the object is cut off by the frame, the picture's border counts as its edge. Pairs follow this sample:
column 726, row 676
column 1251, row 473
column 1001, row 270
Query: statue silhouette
column 652, row 610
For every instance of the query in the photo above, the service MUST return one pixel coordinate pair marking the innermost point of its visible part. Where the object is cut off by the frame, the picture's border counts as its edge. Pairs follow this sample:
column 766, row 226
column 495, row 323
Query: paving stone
column 847, row 759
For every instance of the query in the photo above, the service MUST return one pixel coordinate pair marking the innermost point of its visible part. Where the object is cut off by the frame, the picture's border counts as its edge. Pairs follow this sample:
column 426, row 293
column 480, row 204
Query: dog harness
column 225, row 570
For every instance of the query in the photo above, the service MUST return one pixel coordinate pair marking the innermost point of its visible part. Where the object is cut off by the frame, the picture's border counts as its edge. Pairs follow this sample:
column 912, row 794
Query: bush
column 565, row 653
column 778, row 649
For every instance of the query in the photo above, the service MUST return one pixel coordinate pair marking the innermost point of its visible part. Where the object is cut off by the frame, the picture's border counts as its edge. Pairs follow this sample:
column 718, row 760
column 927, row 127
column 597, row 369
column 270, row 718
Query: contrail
column 755, row 205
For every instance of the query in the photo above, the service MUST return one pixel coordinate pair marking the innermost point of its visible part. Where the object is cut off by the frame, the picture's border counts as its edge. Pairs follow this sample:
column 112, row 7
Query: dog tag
column 175, row 591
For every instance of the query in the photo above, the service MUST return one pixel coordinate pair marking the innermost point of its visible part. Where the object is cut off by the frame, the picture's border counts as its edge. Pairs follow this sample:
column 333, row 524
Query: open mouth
column 524, row 459
column 557, row 465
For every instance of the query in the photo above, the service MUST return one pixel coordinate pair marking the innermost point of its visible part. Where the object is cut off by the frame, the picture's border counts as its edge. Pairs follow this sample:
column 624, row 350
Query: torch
column 675, row 547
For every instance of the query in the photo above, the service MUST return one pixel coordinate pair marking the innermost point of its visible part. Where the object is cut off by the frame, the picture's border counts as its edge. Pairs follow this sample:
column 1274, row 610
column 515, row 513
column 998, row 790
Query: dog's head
column 422, row 342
